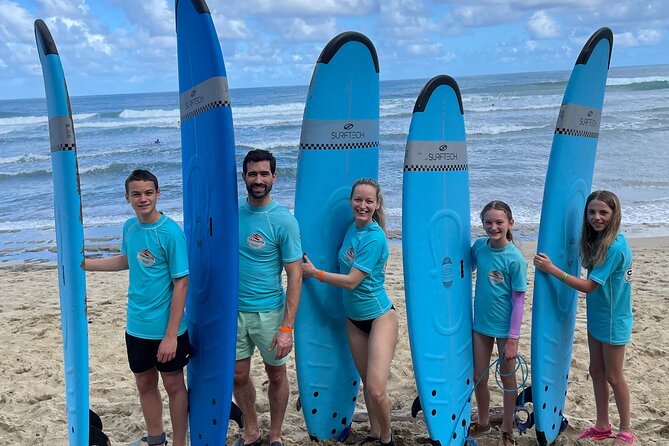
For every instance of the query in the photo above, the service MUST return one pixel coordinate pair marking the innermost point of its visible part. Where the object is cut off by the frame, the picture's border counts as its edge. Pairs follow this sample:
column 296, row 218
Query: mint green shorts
column 258, row 330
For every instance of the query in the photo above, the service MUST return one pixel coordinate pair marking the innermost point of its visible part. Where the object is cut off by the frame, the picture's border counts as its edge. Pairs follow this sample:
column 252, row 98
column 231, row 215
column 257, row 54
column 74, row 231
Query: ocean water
column 509, row 120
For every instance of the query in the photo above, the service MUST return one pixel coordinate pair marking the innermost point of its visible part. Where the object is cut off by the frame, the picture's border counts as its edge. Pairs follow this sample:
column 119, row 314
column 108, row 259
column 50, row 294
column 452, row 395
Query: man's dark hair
column 140, row 175
column 258, row 155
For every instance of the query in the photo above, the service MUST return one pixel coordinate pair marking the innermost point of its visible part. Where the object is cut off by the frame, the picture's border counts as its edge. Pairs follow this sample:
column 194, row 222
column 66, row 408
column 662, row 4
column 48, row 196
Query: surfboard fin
column 96, row 437
column 298, row 404
column 416, row 407
column 94, row 419
column 236, row 415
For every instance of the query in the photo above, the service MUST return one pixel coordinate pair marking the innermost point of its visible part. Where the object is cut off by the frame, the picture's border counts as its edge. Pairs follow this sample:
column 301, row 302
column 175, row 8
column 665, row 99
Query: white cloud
column 62, row 8
column 543, row 26
column 642, row 38
column 304, row 7
column 231, row 29
column 304, row 30
column 487, row 15
column 424, row 48
column 15, row 22
column 156, row 16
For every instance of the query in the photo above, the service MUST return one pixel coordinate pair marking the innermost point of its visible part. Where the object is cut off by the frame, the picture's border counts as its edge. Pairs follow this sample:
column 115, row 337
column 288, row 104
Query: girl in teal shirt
column 607, row 257
column 501, row 282
column 371, row 325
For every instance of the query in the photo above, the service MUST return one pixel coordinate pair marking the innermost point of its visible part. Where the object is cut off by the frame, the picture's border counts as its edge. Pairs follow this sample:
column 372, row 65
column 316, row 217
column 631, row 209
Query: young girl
column 371, row 325
column 501, row 281
column 607, row 257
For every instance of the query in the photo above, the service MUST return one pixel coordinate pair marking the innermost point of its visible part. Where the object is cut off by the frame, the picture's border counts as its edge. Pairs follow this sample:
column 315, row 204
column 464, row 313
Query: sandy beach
column 32, row 394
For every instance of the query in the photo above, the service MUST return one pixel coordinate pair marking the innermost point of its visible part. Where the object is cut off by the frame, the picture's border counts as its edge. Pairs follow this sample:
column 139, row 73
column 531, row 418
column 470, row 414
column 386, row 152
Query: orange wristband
column 320, row 276
column 286, row 329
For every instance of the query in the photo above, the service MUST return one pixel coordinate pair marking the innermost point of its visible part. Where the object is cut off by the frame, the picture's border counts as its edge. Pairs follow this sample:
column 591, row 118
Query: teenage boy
column 153, row 249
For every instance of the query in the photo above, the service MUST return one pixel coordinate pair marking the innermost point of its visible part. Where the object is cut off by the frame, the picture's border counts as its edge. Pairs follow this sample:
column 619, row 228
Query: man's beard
column 258, row 196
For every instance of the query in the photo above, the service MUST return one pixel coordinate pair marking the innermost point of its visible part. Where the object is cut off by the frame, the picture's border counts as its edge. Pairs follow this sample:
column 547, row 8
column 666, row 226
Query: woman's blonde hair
column 379, row 215
column 594, row 245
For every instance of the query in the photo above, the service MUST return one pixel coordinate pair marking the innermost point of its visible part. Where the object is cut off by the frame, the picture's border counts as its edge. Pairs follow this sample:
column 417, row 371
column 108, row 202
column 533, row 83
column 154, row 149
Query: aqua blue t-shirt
column 156, row 254
column 367, row 249
column 268, row 237
column 498, row 273
column 609, row 307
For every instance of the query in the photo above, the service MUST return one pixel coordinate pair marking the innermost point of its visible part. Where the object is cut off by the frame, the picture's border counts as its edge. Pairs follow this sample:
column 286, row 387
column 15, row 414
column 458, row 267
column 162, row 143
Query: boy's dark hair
column 257, row 155
column 140, row 175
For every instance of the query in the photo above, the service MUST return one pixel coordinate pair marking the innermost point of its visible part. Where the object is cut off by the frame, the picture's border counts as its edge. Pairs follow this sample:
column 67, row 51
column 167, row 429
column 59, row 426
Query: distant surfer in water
column 269, row 242
column 607, row 257
column 157, row 141
column 372, row 324
column 153, row 248
column 501, row 282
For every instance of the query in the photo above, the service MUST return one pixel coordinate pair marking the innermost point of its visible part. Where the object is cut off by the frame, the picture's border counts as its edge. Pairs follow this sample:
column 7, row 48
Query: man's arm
column 283, row 341
column 114, row 263
column 293, row 290
column 168, row 346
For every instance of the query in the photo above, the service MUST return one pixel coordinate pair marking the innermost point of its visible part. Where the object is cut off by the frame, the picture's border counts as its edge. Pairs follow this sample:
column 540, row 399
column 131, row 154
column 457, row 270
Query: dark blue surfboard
column 210, row 221
column 69, row 236
column 568, row 183
column 339, row 144
column 437, row 260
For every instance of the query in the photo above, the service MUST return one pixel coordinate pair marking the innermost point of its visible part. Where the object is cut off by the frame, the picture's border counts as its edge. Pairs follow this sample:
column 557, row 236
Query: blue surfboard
column 436, row 242
column 69, row 236
column 339, row 144
column 568, row 183
column 210, row 221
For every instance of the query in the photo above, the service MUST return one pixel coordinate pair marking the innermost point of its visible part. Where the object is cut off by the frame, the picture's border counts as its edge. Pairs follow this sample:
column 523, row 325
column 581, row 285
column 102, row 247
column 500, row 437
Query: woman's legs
column 372, row 354
column 381, row 349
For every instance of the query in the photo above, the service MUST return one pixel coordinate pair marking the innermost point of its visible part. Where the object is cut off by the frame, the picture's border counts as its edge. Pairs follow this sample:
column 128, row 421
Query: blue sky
column 128, row 46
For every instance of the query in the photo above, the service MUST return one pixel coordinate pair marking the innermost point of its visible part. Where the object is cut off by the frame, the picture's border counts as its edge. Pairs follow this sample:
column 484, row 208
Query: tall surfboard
column 210, row 221
column 339, row 144
column 69, row 236
column 568, row 183
column 436, row 241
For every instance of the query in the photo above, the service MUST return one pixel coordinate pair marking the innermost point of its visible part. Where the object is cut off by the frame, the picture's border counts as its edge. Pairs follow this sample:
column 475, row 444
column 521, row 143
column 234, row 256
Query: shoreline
column 33, row 394
column 101, row 246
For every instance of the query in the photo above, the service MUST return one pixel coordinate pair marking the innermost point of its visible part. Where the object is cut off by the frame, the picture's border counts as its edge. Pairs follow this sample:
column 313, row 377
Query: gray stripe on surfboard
column 208, row 95
column 61, row 134
column 339, row 134
column 577, row 120
column 435, row 156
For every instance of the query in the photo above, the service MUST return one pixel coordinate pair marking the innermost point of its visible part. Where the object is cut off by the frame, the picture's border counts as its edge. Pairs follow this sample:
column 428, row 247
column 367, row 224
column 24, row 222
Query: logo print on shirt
column 495, row 277
column 146, row 258
column 255, row 241
column 350, row 255
column 628, row 275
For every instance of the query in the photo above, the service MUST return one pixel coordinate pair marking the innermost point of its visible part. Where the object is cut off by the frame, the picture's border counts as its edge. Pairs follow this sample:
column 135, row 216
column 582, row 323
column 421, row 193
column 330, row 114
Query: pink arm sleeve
column 518, row 303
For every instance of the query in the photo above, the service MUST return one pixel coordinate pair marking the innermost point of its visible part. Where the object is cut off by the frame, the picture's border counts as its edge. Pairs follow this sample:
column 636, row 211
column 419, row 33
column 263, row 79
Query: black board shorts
column 142, row 354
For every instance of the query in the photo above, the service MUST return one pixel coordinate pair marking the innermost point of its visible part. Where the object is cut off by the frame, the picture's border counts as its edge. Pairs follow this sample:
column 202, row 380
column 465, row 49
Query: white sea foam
column 23, row 121
column 27, row 158
column 257, row 111
column 477, row 129
column 636, row 80
column 157, row 113
column 131, row 123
